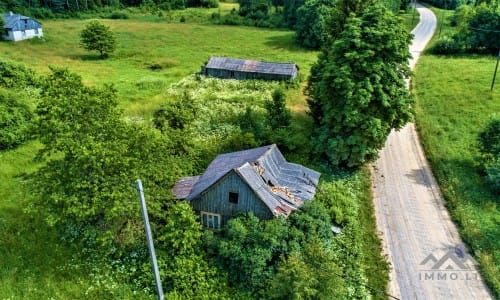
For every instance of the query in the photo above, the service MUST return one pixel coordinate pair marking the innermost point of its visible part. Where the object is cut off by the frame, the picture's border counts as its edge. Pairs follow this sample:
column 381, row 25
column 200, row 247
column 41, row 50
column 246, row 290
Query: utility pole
column 495, row 74
column 149, row 237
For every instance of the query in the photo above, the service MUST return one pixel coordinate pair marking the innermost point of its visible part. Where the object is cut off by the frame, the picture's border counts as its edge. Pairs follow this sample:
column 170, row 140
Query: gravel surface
column 428, row 258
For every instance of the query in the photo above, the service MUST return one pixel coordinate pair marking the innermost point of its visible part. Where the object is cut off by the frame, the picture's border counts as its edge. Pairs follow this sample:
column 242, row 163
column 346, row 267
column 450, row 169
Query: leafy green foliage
column 357, row 93
column 477, row 31
column 489, row 147
column 183, row 267
column 310, row 274
column 16, row 76
column 92, row 158
column 279, row 116
column 313, row 21
column 254, row 9
column 485, row 29
column 97, row 36
column 15, row 120
column 290, row 12
column 447, row 45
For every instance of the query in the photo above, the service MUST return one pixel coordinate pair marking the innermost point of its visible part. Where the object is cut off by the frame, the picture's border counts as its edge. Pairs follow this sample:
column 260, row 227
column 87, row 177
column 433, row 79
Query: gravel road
column 428, row 258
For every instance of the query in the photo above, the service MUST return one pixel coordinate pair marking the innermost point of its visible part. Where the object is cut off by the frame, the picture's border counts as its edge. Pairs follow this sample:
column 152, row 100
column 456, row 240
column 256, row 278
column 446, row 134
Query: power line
column 485, row 30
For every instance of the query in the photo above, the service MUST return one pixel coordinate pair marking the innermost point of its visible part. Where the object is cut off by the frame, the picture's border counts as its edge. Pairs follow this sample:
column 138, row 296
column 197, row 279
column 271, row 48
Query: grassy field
column 454, row 103
column 35, row 263
column 179, row 49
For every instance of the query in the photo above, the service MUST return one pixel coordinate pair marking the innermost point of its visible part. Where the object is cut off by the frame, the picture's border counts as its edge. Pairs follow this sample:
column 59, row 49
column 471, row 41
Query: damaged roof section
column 281, row 185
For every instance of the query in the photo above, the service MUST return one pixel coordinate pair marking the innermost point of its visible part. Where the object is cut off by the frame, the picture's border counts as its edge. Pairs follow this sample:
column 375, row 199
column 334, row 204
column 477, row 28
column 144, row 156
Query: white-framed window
column 210, row 220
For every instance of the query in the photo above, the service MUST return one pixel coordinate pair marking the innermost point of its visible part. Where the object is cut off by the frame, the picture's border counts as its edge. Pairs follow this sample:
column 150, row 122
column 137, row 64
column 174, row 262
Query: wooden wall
column 216, row 199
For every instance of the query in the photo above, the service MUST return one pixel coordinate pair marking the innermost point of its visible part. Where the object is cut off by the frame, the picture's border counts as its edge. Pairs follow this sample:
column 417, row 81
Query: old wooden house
column 259, row 180
column 233, row 68
column 18, row 27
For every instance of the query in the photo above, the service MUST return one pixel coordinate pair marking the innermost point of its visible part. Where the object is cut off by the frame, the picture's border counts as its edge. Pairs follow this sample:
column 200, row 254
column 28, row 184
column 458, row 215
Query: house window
column 231, row 74
column 210, row 221
column 233, row 197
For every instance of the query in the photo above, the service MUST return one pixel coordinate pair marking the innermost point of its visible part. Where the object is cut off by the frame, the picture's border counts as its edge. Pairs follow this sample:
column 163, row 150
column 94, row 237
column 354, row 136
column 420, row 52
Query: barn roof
column 251, row 66
column 281, row 185
column 18, row 22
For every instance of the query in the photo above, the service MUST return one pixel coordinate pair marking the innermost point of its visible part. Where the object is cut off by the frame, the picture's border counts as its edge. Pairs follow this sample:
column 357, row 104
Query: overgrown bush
column 489, row 147
column 478, row 30
column 17, row 76
column 447, row 45
column 15, row 120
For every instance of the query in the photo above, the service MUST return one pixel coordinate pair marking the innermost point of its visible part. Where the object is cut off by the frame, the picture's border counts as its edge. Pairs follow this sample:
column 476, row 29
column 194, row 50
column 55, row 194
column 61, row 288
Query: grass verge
column 453, row 104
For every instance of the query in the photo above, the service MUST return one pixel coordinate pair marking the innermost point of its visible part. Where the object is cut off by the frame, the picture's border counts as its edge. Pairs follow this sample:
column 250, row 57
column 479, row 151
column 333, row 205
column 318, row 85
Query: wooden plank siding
column 218, row 73
column 216, row 199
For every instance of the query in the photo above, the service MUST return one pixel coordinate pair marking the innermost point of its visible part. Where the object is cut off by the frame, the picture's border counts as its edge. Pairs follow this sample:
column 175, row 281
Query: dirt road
column 428, row 258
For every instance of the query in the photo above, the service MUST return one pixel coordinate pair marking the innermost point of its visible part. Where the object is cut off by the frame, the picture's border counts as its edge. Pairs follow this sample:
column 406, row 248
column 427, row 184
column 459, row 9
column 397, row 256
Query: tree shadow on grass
column 86, row 57
column 284, row 41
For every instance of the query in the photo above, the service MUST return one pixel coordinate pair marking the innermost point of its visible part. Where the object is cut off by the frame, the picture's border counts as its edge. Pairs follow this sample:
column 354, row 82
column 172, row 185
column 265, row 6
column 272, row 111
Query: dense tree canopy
column 15, row 119
column 92, row 158
column 357, row 92
column 97, row 36
column 313, row 23
column 489, row 147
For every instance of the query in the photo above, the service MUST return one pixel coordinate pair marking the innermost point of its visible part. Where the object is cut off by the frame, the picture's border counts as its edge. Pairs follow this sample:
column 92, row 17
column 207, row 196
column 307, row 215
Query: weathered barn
column 259, row 180
column 232, row 68
column 18, row 27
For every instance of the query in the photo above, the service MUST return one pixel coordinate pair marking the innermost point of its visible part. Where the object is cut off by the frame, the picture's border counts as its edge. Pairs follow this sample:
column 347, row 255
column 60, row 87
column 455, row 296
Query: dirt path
column 428, row 258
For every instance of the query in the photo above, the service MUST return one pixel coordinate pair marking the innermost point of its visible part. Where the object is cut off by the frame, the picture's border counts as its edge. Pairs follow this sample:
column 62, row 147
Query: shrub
column 16, row 76
column 15, row 118
column 117, row 15
column 447, row 45
column 489, row 140
column 493, row 176
column 489, row 147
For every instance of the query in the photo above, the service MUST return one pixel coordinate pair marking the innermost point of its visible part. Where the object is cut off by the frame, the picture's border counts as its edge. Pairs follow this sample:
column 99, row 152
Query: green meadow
column 454, row 103
column 151, row 55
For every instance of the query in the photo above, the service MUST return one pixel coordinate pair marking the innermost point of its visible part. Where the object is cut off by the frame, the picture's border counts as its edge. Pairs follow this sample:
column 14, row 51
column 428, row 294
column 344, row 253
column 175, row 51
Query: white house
column 18, row 27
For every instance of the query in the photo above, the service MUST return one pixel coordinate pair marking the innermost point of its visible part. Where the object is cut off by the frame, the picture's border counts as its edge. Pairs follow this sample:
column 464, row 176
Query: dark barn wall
column 216, row 199
column 220, row 73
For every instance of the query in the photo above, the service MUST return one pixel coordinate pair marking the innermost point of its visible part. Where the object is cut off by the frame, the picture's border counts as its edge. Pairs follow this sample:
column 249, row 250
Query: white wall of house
column 23, row 35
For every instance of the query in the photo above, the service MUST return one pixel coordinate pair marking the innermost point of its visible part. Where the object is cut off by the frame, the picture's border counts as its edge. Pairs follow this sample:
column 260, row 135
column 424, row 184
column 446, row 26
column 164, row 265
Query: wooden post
column 149, row 237
column 495, row 74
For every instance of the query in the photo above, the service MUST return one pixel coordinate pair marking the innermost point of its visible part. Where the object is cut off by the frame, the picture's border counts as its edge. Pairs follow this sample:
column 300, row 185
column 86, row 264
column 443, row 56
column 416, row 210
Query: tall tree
column 313, row 23
column 91, row 159
column 357, row 91
column 97, row 36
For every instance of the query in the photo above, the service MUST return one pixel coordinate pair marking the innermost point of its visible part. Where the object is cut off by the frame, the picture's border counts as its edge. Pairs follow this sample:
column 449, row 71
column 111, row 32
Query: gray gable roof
column 17, row 22
column 251, row 66
column 281, row 185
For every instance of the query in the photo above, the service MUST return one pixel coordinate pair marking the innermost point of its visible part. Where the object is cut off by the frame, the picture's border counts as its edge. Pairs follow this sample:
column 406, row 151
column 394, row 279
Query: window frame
column 210, row 220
